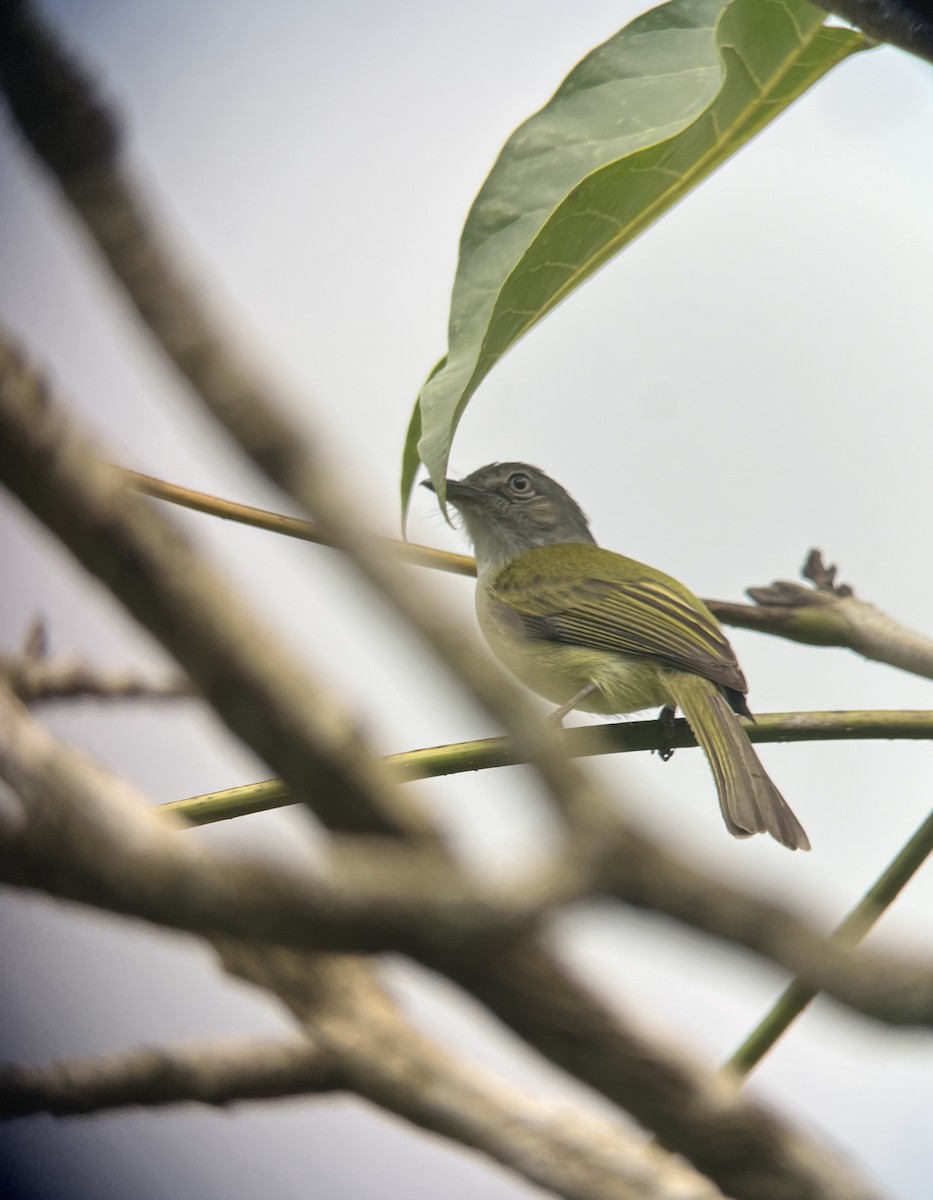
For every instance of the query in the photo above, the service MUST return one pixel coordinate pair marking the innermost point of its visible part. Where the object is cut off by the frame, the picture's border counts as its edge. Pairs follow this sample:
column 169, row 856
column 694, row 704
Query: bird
column 590, row 629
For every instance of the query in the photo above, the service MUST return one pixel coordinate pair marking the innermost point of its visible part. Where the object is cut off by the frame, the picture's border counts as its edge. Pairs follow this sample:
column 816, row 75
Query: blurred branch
column 89, row 839
column 215, row 1072
column 34, row 678
column 372, row 1051
column 527, row 987
column 518, row 979
column 383, row 1059
column 277, row 709
column 83, row 834
column 620, row 737
column 908, row 26
column 68, row 126
column 251, row 677
column 536, row 995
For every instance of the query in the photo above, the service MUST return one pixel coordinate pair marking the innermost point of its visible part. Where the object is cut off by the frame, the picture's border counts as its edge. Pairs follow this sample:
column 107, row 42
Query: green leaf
column 639, row 122
column 410, row 459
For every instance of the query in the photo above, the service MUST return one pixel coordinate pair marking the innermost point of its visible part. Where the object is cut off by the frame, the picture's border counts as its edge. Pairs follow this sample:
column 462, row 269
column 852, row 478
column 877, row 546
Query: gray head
column 508, row 508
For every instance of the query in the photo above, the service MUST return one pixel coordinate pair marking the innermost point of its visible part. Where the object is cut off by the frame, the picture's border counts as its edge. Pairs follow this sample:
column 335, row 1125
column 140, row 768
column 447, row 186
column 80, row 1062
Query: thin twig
column 307, row 531
column 813, row 616
column 798, row 995
column 622, row 737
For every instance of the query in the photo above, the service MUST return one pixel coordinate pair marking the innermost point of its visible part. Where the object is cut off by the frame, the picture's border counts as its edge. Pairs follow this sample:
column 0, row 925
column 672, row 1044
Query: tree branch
column 622, row 737
column 34, row 678
column 383, row 1059
column 829, row 614
column 824, row 616
column 876, row 901
column 306, row 531
column 85, row 835
column 69, row 128
column 216, row 1073
column 518, row 979
column 251, row 678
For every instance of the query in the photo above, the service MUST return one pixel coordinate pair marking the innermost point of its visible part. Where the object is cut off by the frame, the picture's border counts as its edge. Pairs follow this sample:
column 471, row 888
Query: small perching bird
column 593, row 630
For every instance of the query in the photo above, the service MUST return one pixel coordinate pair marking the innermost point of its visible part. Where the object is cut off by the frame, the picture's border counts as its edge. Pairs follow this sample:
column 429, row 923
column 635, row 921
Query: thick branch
column 86, row 835
column 49, row 99
column 73, row 806
column 250, row 677
column 382, row 1058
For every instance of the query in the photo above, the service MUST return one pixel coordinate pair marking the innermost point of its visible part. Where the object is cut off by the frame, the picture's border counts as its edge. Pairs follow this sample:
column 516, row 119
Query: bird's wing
column 653, row 617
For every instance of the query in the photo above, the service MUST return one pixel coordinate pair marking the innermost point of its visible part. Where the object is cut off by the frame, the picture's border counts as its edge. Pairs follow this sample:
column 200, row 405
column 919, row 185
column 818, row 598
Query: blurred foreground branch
column 365, row 1046
column 313, row 741
column 34, row 677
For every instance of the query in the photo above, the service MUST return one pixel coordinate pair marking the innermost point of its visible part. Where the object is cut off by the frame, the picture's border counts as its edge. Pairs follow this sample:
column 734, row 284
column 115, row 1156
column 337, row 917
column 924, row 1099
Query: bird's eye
column 520, row 484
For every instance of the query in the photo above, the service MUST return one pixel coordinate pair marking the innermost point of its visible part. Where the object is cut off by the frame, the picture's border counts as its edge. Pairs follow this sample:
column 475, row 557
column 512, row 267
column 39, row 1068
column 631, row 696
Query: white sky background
column 748, row 380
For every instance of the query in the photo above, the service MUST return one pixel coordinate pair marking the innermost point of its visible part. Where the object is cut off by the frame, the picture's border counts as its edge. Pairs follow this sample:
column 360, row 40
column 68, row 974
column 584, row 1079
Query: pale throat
column 496, row 544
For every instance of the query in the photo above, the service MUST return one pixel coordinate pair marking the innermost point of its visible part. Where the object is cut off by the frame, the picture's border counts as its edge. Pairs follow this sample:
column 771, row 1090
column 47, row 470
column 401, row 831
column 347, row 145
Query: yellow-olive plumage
column 594, row 630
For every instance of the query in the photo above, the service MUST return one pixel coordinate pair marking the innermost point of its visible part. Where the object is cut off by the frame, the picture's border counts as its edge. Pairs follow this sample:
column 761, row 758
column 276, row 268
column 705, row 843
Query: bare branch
column 247, row 673
column 378, row 1054
column 830, row 614
column 86, row 835
column 76, row 808
column 34, row 678
column 876, row 901
column 216, row 1073
column 374, row 1052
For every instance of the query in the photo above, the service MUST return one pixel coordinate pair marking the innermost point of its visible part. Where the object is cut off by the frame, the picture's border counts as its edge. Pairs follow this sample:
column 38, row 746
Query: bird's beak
column 456, row 490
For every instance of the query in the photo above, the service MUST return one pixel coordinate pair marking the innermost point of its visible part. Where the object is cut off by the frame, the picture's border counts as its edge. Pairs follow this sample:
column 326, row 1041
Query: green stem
column 620, row 738
column 795, row 998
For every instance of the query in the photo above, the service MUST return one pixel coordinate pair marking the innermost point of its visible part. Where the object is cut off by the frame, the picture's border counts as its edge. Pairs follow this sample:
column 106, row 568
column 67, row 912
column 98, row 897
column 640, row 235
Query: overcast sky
column 748, row 380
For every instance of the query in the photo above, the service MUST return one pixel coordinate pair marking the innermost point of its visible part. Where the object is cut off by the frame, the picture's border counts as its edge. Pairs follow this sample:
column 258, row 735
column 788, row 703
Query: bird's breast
column 558, row 671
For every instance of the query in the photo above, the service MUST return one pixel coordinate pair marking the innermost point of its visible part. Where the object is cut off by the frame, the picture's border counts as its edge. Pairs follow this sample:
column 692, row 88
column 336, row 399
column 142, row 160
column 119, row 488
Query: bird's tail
column 749, row 801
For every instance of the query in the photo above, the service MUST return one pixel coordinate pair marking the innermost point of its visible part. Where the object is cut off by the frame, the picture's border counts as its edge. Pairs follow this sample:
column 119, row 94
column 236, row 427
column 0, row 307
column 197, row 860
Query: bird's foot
column 666, row 724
